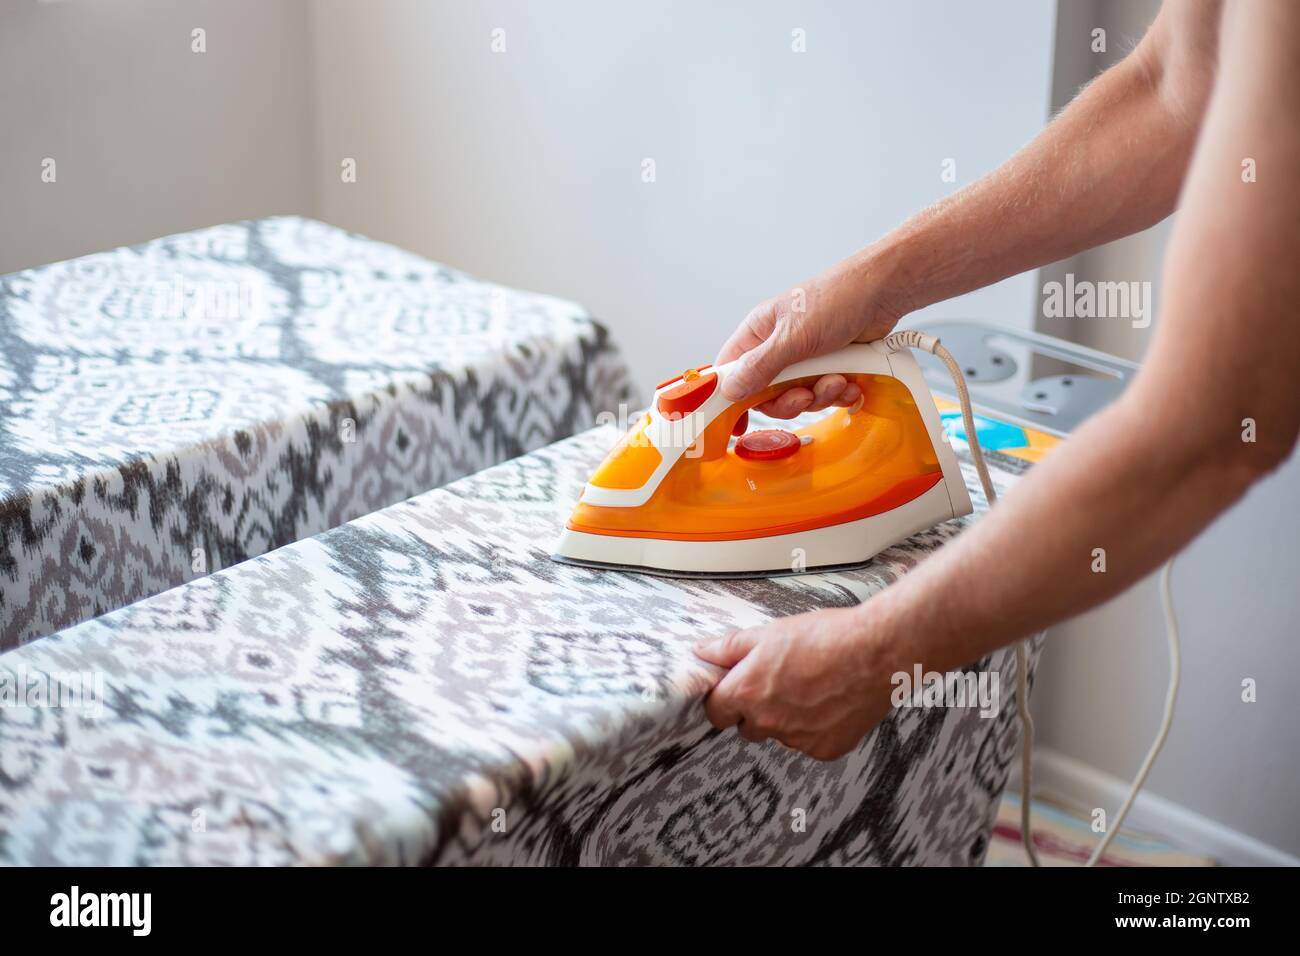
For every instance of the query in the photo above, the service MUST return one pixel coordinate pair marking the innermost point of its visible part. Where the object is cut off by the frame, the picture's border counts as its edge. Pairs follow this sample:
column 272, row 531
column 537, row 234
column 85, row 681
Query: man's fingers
column 725, row 707
column 827, row 391
column 728, row 650
column 752, row 332
column 795, row 743
column 850, row 396
column 789, row 404
column 757, row 367
column 741, row 341
column 721, row 707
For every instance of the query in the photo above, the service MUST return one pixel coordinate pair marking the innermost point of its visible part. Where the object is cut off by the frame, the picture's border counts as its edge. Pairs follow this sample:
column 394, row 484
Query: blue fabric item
column 992, row 434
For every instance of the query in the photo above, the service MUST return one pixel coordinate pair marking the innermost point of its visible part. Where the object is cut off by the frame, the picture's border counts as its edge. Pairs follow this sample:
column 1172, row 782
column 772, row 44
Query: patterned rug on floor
column 1064, row 837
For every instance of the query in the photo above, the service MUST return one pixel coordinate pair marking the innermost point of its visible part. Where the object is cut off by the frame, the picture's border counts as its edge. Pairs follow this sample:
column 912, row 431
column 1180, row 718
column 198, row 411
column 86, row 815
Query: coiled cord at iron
column 915, row 339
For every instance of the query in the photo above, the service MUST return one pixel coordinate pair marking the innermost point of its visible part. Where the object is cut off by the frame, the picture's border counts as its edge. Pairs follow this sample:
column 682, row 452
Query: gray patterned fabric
column 176, row 407
column 424, row 685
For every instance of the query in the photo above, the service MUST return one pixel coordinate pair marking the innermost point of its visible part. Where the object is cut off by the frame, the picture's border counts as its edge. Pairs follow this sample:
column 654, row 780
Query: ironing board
column 425, row 686
column 179, row 406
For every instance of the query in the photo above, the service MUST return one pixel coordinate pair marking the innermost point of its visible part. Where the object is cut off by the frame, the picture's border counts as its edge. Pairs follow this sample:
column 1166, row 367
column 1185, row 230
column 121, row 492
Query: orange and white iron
column 689, row 491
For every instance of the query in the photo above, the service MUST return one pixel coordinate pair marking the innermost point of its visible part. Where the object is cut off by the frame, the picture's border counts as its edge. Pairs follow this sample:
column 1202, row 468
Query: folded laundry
column 176, row 407
column 425, row 685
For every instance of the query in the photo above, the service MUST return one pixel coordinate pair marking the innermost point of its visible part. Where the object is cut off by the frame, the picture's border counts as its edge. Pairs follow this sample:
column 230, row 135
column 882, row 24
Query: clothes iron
column 690, row 491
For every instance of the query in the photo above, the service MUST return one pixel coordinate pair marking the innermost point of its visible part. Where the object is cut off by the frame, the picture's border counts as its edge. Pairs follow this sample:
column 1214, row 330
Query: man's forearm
column 1111, row 164
column 1213, row 409
column 1123, row 494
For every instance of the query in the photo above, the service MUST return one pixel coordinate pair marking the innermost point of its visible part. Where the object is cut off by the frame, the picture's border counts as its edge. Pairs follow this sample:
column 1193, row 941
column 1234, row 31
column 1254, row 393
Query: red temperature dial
column 768, row 444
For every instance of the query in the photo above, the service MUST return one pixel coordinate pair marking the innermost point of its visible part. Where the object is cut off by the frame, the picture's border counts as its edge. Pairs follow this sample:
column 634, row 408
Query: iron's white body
column 850, row 543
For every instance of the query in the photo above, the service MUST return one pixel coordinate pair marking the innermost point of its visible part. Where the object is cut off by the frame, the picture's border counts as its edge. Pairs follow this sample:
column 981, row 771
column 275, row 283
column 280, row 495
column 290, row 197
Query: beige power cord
column 914, row 339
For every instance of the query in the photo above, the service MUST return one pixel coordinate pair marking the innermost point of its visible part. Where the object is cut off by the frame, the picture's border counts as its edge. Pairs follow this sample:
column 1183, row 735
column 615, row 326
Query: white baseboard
column 1087, row 786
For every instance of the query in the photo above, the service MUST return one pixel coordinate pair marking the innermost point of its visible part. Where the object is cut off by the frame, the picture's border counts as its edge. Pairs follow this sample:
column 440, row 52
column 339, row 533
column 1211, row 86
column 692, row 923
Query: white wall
column 1101, row 685
column 148, row 138
column 525, row 166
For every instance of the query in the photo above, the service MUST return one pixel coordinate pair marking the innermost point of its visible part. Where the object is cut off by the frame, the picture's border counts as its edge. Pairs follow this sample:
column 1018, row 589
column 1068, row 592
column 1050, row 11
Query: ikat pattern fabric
column 179, row 406
column 424, row 685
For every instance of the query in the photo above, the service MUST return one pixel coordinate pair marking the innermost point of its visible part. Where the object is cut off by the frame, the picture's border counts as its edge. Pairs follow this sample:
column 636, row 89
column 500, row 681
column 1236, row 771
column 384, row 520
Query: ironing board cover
column 176, row 407
column 425, row 685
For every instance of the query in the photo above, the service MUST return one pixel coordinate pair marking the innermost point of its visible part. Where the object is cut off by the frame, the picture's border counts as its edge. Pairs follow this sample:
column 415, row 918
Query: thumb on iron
column 755, row 369
column 729, row 650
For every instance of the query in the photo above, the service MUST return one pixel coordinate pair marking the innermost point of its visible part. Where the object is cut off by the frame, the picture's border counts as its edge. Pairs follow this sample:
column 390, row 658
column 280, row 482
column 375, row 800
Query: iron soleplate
column 708, row 575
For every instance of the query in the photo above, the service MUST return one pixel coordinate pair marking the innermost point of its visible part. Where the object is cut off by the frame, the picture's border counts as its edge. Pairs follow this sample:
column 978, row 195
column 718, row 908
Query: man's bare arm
column 1111, row 164
column 1146, row 476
